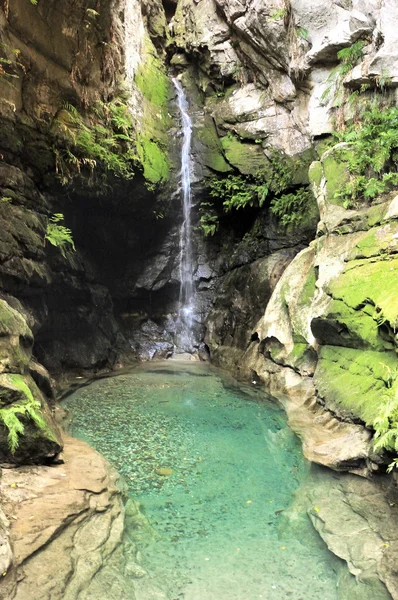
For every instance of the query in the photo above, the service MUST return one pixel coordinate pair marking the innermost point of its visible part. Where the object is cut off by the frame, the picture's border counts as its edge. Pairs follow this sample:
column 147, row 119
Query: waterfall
column 184, row 341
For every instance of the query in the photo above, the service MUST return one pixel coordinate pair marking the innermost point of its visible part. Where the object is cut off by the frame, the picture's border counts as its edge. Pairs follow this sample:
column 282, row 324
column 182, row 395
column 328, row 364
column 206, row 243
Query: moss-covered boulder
column 327, row 343
column 355, row 383
column 28, row 433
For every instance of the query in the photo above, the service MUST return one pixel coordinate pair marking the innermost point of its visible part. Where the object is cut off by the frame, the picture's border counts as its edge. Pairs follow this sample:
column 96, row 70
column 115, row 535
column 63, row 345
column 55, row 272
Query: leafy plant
column 11, row 413
column 348, row 58
column 208, row 219
column 291, row 208
column 58, row 235
column 238, row 192
column 91, row 13
column 302, row 33
column 10, row 63
column 372, row 159
column 278, row 14
column 100, row 138
column 386, row 428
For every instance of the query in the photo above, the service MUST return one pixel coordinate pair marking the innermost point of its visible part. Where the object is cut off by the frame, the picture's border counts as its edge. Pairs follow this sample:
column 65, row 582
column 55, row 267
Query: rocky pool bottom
column 228, row 494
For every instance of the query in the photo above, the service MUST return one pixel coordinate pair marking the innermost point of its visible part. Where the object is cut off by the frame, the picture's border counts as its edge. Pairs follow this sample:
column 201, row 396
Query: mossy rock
column 373, row 284
column 247, row 158
column 213, row 155
column 315, row 174
column 16, row 340
column 335, row 167
column 355, row 383
column 300, row 165
column 363, row 310
column 152, row 137
column 28, row 433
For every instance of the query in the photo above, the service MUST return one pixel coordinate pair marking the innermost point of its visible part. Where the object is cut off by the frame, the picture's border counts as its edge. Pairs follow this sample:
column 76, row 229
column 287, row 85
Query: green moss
column 357, row 328
column 14, row 385
column 248, row 158
column 375, row 214
column 299, row 166
column 308, row 290
column 355, row 382
column 337, row 176
column 370, row 244
column 316, row 173
column 153, row 158
column 370, row 283
column 213, row 155
column 151, row 79
column 152, row 138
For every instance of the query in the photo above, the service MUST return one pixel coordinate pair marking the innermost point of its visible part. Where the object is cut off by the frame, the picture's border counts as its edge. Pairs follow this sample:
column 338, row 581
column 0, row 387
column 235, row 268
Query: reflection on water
column 216, row 470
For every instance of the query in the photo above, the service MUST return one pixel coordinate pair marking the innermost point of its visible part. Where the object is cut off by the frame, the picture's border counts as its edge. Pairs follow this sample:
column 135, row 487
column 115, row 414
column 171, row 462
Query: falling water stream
column 221, row 479
column 184, row 342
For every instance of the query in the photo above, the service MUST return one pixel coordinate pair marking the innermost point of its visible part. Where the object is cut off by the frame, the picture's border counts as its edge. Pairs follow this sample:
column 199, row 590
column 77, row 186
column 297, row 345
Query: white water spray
column 184, row 322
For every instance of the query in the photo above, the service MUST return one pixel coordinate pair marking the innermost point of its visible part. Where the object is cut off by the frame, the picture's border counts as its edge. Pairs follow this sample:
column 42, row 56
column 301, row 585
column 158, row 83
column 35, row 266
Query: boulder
column 67, row 531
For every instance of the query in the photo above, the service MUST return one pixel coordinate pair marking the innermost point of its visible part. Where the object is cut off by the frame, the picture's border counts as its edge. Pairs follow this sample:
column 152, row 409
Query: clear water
column 226, row 512
column 185, row 314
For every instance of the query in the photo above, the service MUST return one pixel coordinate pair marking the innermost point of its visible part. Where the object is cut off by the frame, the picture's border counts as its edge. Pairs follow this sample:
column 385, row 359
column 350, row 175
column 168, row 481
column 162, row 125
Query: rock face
column 72, row 516
column 326, row 339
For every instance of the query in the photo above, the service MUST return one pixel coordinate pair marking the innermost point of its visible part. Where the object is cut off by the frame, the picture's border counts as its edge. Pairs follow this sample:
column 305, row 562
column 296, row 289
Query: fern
column 238, row 192
column 373, row 157
column 58, row 235
column 81, row 141
column 291, row 208
column 10, row 417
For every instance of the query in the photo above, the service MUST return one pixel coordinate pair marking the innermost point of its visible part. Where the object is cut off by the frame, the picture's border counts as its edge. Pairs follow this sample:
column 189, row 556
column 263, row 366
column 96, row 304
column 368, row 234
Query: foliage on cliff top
column 373, row 157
